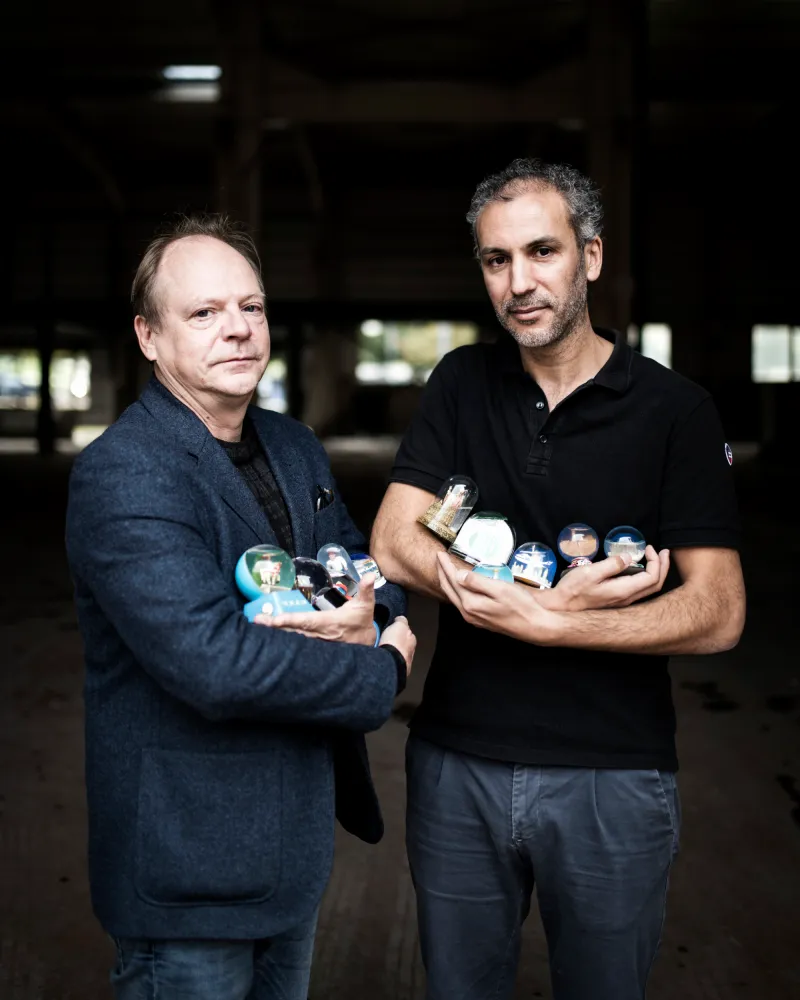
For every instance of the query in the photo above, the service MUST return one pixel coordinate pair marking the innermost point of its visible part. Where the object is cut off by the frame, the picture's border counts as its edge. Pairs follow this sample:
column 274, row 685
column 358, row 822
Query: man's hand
column 509, row 608
column 599, row 585
column 399, row 635
column 352, row 622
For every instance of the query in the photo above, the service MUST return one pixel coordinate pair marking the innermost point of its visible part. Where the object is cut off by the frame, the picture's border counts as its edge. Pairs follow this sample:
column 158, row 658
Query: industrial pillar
column 45, row 343
column 239, row 191
column 616, row 119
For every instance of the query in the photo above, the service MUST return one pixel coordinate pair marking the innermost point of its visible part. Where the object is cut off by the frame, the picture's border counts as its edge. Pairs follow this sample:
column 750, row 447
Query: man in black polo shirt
column 544, row 752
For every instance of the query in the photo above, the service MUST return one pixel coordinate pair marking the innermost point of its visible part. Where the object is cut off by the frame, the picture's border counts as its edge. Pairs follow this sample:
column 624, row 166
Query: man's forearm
column 408, row 558
column 684, row 621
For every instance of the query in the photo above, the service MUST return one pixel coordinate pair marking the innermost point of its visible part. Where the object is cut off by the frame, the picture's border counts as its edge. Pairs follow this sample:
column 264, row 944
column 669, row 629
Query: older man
column 217, row 751
column 544, row 748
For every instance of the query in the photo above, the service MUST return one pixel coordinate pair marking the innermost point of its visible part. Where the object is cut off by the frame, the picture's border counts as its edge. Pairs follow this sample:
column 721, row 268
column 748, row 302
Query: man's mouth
column 525, row 312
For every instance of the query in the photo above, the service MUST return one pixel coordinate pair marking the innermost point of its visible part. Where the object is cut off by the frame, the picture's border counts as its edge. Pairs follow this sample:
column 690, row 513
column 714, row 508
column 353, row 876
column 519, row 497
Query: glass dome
column 336, row 560
column 494, row 572
column 311, row 576
column 534, row 563
column 263, row 569
column 450, row 509
column 625, row 539
column 485, row 538
column 578, row 544
column 364, row 563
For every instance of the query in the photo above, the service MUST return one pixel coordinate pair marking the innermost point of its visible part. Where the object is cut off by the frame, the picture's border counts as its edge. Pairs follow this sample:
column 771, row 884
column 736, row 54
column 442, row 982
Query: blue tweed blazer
column 217, row 752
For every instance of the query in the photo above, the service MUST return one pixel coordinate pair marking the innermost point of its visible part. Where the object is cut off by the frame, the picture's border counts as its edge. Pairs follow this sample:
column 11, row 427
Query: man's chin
column 530, row 334
column 237, row 386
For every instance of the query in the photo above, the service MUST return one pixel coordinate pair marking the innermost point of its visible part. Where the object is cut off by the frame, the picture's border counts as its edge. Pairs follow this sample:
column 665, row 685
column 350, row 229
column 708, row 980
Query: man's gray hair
column 582, row 197
column 219, row 227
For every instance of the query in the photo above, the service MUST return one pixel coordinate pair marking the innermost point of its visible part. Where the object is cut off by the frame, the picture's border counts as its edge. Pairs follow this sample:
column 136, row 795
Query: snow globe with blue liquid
column 626, row 540
column 494, row 572
column 534, row 564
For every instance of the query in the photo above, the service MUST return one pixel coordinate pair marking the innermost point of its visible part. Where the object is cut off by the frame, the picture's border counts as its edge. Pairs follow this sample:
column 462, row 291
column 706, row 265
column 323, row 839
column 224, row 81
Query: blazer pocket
column 208, row 827
column 326, row 525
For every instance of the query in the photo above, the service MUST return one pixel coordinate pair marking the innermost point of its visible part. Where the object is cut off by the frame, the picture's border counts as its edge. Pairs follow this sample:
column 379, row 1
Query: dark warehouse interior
column 349, row 135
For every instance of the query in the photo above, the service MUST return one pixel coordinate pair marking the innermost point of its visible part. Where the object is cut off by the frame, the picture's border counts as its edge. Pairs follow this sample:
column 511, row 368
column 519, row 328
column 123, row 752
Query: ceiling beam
column 557, row 94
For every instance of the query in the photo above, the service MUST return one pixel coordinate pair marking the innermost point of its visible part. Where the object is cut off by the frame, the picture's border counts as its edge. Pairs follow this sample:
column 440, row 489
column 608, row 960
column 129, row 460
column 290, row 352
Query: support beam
column 555, row 94
column 615, row 28
column 45, row 343
column 241, row 58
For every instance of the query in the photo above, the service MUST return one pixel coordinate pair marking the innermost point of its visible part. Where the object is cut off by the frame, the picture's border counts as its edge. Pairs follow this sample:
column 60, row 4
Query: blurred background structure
column 350, row 134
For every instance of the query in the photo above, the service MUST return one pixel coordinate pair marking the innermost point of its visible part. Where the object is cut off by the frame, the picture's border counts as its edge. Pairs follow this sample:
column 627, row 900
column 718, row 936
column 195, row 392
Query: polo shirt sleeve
column 698, row 501
column 427, row 453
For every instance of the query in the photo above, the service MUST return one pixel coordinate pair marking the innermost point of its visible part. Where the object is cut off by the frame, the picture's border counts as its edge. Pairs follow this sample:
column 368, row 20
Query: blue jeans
column 597, row 843
column 277, row 969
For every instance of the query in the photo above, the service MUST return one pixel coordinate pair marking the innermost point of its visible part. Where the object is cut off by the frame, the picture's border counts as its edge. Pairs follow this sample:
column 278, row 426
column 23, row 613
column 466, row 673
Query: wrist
column 552, row 599
column 401, row 667
column 557, row 627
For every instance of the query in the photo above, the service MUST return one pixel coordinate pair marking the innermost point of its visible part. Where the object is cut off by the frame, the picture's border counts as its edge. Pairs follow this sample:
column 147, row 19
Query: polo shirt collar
column 615, row 373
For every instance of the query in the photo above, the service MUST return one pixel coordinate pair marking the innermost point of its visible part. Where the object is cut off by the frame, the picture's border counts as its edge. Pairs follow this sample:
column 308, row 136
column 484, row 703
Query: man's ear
column 593, row 258
column 145, row 335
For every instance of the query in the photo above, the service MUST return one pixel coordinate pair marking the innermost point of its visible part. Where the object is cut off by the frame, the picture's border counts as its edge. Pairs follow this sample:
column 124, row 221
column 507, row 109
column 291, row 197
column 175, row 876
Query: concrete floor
column 732, row 927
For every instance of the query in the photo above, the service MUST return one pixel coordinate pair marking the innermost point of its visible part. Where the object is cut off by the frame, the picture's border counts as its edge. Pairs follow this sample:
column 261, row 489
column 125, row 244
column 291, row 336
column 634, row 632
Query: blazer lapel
column 213, row 463
column 215, row 466
column 289, row 472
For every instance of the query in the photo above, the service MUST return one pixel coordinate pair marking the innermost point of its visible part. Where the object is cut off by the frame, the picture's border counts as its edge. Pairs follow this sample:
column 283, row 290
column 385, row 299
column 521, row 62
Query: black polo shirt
column 637, row 444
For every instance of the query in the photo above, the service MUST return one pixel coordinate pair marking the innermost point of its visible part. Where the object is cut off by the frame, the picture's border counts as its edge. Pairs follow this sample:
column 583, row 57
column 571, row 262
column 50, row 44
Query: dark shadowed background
column 350, row 134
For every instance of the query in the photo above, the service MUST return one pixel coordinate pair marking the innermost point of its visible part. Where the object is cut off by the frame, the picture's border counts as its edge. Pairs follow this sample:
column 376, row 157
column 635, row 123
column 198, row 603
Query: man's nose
column 523, row 279
column 236, row 323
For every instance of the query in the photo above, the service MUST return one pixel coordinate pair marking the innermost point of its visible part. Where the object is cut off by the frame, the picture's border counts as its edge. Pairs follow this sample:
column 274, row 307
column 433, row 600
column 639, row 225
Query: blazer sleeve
column 390, row 599
column 135, row 544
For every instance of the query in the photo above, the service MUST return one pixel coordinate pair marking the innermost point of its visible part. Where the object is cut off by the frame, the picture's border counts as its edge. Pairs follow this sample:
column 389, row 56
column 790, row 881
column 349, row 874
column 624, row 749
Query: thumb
column 478, row 583
column 612, row 566
column 366, row 589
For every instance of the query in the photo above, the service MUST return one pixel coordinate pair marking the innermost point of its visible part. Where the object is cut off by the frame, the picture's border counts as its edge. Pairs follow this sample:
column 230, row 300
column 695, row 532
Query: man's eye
column 202, row 314
column 496, row 261
column 544, row 251
column 254, row 307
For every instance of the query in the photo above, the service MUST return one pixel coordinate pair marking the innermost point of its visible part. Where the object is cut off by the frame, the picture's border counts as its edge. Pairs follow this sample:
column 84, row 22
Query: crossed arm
column 589, row 609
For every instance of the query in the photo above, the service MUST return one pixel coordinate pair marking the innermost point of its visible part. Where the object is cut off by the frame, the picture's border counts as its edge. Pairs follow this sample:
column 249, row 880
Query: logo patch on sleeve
column 728, row 454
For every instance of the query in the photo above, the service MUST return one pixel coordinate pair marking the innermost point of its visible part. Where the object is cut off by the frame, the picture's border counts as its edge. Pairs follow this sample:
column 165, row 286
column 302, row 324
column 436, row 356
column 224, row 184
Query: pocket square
column 325, row 497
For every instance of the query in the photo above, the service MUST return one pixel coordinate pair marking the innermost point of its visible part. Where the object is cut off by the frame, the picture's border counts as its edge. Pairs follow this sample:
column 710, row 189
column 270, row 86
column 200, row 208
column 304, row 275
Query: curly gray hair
column 580, row 194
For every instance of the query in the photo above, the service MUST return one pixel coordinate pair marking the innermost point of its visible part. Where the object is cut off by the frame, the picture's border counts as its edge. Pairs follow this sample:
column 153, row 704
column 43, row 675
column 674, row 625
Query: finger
column 652, row 580
column 448, row 587
column 664, row 559
column 484, row 585
column 300, row 621
column 652, row 564
column 447, row 567
column 366, row 590
column 605, row 569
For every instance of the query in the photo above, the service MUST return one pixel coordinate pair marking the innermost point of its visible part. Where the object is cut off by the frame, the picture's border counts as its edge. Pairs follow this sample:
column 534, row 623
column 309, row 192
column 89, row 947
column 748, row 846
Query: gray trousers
column 597, row 844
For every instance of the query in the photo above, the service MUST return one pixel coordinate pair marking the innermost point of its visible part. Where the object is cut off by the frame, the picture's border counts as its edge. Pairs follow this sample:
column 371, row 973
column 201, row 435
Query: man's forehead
column 527, row 214
column 206, row 261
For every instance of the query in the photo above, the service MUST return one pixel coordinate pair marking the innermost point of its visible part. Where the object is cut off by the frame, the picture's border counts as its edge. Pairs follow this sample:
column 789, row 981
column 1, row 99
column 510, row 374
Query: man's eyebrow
column 209, row 300
column 542, row 241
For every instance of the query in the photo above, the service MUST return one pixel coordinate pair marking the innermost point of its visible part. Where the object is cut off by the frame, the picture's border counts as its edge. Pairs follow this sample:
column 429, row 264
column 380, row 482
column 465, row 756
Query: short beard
column 565, row 317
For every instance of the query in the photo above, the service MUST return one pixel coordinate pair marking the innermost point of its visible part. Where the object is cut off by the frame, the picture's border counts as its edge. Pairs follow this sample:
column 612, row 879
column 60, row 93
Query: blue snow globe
column 625, row 539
